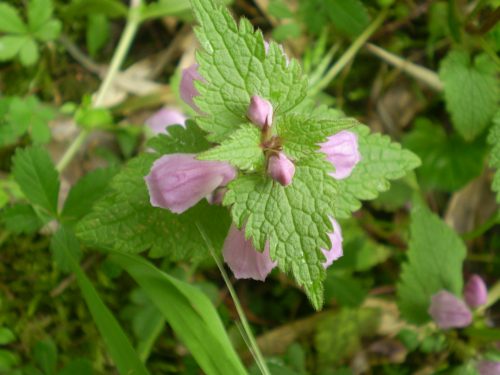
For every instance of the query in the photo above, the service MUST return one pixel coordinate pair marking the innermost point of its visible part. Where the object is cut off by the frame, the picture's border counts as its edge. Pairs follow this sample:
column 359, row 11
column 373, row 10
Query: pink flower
column 448, row 311
column 488, row 368
column 260, row 111
column 179, row 181
column 243, row 259
column 165, row 117
column 475, row 292
column 188, row 90
column 336, row 239
column 281, row 169
column 341, row 150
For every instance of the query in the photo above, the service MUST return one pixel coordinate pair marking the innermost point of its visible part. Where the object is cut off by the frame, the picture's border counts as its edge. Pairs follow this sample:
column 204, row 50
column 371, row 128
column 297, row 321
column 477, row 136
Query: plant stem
column 350, row 53
column 416, row 71
column 133, row 22
column 250, row 338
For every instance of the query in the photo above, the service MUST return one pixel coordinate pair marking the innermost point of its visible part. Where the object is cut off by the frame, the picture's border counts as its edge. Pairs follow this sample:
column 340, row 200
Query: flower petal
column 165, row 117
column 448, row 311
column 246, row 262
column 342, row 151
column 475, row 292
column 336, row 239
column 187, row 88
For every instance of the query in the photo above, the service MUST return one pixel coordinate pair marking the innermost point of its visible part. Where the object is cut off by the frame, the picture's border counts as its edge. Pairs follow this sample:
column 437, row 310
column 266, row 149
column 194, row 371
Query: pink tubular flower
column 246, row 262
column 341, row 150
column 475, row 292
column 336, row 239
column 260, row 111
column 448, row 311
column 188, row 90
column 488, row 367
column 281, row 169
column 165, row 117
column 179, row 181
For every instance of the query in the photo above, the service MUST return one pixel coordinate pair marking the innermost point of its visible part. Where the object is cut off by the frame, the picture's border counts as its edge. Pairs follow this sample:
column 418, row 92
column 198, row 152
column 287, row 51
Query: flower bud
column 187, row 88
column 341, row 150
column 448, row 311
column 179, row 181
column 260, row 111
column 243, row 259
column 336, row 239
column 475, row 292
column 281, row 169
column 161, row 120
column 488, row 368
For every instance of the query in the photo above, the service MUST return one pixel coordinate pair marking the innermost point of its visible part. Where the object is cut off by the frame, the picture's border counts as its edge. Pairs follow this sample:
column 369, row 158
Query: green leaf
column 45, row 355
column 10, row 22
column 302, row 133
column 97, row 33
column 39, row 13
column 494, row 140
column 346, row 290
column 10, row 46
column 38, row 179
column 78, row 367
column 470, row 90
column 49, row 31
column 117, row 343
column 81, row 8
column 194, row 318
column 294, row 219
column 21, row 218
column 6, row 336
column 286, row 31
column 65, row 248
column 242, row 149
column 448, row 162
column 348, row 16
column 235, row 66
column 435, row 257
column 381, row 161
column 85, row 193
column 124, row 220
column 29, row 113
column 28, row 55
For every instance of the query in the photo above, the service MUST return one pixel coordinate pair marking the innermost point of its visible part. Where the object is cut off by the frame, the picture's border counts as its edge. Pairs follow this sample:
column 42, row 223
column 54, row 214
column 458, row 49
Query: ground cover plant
column 249, row 187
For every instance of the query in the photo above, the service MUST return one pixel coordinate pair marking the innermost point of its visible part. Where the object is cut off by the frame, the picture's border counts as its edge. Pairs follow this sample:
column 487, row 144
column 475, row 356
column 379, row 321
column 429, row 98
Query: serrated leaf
column 448, row 162
column 435, row 259
column 471, row 91
column 28, row 54
column 302, row 133
column 49, row 31
column 348, row 16
column 10, row 22
column 21, row 218
column 124, row 220
column 85, row 193
column 37, row 177
column 235, row 66
column 29, row 113
column 294, row 219
column 61, row 243
column 242, row 149
column 381, row 161
column 97, row 33
column 10, row 46
column 494, row 140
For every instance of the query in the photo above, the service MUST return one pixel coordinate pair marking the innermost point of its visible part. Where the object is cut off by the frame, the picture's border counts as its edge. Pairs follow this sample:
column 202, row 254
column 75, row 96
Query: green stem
column 350, row 53
column 250, row 338
column 416, row 71
column 133, row 22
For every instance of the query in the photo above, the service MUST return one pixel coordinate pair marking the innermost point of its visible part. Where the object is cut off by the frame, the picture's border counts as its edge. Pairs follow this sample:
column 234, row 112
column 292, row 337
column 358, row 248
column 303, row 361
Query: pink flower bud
column 188, row 90
column 488, row 368
column 281, row 169
column 448, row 311
column 341, row 150
column 475, row 292
column 246, row 262
column 260, row 111
column 179, row 181
column 165, row 117
column 336, row 239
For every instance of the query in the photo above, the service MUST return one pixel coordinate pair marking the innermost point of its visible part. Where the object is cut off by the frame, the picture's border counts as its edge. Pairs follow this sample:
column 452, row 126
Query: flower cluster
column 177, row 182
